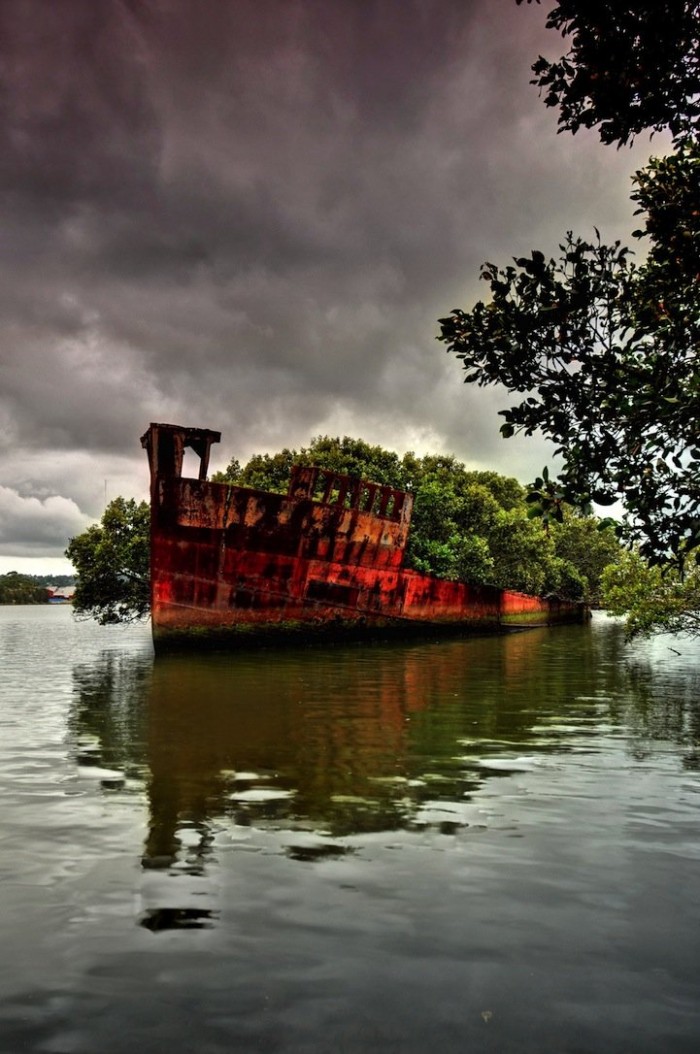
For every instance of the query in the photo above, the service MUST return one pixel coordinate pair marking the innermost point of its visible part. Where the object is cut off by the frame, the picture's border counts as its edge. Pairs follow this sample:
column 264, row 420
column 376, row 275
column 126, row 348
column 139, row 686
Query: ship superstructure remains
column 234, row 564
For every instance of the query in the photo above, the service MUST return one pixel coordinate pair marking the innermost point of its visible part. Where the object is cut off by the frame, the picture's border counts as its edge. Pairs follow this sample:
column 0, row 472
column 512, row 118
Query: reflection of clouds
column 662, row 701
column 107, row 722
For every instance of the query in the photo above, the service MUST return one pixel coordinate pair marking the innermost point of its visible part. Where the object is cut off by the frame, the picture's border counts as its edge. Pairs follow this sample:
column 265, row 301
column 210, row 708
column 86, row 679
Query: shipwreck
column 232, row 565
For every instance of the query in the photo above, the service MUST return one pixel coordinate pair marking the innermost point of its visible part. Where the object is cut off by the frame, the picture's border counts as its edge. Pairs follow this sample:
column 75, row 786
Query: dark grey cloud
column 249, row 216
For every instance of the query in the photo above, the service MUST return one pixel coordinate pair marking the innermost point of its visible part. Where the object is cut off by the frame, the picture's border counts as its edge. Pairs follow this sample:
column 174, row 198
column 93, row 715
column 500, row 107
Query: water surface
column 488, row 844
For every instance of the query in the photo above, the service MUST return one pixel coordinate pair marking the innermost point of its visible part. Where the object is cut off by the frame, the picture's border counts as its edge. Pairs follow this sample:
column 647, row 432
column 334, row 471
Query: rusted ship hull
column 232, row 565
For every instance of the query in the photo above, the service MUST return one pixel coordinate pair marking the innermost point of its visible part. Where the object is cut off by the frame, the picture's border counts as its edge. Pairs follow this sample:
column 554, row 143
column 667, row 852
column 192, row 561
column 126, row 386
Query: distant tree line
column 16, row 588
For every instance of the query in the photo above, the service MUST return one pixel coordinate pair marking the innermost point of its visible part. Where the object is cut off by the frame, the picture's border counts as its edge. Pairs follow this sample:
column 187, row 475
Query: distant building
column 60, row 594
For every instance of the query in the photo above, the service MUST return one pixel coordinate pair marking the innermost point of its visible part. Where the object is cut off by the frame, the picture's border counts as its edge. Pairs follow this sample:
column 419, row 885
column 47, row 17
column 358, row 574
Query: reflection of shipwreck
column 232, row 564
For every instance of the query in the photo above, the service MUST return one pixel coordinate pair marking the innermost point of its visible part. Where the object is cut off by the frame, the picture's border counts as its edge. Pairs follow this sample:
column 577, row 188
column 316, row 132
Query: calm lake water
column 488, row 845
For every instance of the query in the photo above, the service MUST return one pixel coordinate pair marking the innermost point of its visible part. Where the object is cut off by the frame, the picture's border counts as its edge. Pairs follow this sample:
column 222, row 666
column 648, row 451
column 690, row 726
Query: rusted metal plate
column 232, row 562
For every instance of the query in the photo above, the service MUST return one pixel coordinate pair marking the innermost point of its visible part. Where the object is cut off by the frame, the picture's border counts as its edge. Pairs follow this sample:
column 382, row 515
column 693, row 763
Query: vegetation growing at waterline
column 112, row 561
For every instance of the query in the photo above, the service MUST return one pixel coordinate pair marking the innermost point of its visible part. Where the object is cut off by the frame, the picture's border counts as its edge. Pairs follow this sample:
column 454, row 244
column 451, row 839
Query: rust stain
column 232, row 562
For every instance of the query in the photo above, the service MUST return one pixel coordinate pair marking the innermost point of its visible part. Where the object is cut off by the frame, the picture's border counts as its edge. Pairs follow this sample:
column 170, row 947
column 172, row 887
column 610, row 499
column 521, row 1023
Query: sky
column 248, row 215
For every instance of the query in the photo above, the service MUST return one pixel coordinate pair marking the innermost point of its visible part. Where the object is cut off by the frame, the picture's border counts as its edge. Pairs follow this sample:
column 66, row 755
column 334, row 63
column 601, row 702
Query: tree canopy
column 653, row 599
column 633, row 66
column 604, row 354
column 112, row 561
column 603, row 351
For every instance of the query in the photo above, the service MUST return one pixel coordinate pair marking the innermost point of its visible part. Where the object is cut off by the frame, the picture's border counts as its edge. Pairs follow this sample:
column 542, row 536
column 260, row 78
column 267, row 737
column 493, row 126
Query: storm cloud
column 249, row 217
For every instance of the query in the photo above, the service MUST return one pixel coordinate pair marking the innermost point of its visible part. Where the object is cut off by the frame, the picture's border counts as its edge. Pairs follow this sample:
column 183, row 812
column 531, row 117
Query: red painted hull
column 232, row 565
